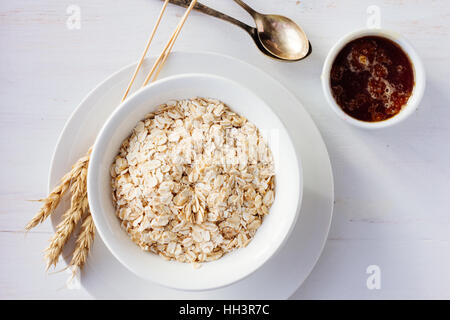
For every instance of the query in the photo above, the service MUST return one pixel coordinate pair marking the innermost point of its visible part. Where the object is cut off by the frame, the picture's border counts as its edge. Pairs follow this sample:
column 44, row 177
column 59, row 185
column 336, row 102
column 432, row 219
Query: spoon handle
column 209, row 11
column 246, row 7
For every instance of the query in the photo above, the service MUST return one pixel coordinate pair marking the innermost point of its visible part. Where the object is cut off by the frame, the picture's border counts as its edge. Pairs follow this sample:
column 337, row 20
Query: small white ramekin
column 419, row 78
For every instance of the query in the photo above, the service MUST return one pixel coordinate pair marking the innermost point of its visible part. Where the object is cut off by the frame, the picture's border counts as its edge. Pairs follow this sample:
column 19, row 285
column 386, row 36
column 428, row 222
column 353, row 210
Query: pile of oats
column 193, row 181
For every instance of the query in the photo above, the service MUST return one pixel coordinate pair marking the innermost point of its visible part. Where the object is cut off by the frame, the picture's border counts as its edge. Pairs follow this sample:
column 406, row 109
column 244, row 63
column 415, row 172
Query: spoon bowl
column 279, row 35
column 282, row 37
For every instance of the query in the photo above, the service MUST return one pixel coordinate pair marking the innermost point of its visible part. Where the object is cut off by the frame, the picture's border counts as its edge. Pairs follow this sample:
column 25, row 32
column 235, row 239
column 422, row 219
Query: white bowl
column 419, row 78
column 231, row 267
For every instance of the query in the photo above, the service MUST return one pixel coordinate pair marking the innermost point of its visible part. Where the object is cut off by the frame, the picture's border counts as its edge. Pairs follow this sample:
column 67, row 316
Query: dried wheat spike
column 83, row 243
column 79, row 205
column 54, row 198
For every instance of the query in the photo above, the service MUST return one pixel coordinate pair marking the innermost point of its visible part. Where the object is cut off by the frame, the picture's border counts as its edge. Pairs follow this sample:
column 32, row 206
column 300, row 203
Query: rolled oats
column 193, row 181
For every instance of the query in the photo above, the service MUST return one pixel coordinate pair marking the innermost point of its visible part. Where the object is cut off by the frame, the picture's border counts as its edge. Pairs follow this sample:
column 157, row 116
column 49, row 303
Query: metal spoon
column 279, row 35
column 276, row 36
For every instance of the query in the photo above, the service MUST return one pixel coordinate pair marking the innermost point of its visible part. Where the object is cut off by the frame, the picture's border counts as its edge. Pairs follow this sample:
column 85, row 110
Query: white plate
column 105, row 278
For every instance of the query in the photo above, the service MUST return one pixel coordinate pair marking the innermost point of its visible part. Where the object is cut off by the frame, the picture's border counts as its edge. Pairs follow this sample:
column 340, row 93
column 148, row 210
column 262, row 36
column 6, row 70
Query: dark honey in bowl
column 372, row 78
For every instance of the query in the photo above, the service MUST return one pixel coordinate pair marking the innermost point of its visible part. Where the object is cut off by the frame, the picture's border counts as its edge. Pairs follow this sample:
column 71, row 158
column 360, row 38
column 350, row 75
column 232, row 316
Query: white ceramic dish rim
column 419, row 77
column 94, row 206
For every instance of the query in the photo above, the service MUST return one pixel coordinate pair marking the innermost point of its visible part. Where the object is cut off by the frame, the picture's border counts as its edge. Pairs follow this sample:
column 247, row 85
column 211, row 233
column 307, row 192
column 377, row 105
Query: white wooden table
column 392, row 187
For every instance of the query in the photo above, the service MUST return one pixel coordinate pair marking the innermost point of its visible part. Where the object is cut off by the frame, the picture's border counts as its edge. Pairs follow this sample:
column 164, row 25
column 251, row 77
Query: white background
column 392, row 187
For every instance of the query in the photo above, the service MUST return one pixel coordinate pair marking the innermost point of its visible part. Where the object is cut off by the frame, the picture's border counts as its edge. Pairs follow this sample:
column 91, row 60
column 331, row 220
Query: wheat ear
column 54, row 198
column 83, row 243
column 78, row 205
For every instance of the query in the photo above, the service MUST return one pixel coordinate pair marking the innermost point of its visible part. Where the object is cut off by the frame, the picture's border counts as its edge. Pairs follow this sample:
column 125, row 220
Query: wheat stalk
column 159, row 63
column 54, row 198
column 138, row 67
column 83, row 243
column 78, row 205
